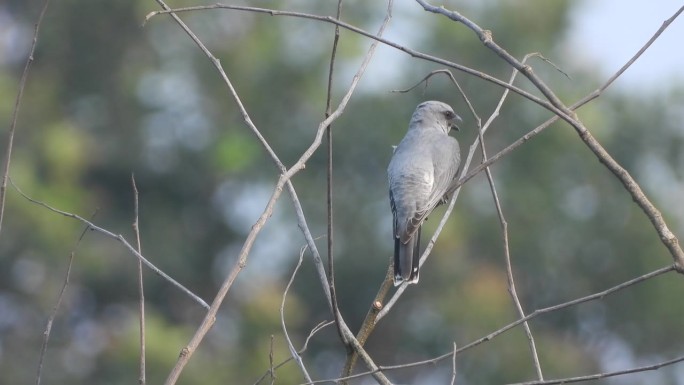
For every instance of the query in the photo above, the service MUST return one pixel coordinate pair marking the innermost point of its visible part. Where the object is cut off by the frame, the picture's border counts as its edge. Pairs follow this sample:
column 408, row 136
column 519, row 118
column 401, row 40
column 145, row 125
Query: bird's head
column 435, row 113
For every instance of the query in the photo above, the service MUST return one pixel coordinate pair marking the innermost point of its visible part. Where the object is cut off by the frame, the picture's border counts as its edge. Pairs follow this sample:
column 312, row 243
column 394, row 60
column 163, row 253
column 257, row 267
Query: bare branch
column 371, row 318
column 329, row 184
column 15, row 112
column 141, row 287
column 272, row 369
column 119, row 238
column 504, row 228
column 349, row 27
column 51, row 319
column 293, row 351
column 453, row 366
column 605, row 375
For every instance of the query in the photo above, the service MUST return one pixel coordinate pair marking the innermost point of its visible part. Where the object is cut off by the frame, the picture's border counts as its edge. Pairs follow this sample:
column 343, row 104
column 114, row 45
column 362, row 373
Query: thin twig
column 313, row 331
column 293, row 351
column 51, row 318
column 15, row 111
column 504, row 229
column 329, row 184
column 141, row 287
column 453, row 366
column 349, row 27
column 271, row 370
column 119, row 238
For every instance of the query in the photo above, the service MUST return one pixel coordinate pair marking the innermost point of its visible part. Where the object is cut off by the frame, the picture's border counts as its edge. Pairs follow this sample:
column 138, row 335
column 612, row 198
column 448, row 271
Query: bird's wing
column 393, row 206
column 446, row 160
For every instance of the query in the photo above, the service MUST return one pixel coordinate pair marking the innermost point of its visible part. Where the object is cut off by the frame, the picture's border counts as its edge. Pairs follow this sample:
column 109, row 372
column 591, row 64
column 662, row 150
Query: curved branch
column 352, row 28
column 293, row 352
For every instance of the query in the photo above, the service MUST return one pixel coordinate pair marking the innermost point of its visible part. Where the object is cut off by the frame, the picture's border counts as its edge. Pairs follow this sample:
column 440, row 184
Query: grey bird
column 422, row 168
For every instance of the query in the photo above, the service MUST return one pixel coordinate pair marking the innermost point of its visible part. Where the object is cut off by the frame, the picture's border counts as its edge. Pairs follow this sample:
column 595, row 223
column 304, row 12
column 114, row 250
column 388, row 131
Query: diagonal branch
column 666, row 236
column 15, row 112
column 60, row 296
column 313, row 331
column 293, row 351
column 504, row 229
column 534, row 314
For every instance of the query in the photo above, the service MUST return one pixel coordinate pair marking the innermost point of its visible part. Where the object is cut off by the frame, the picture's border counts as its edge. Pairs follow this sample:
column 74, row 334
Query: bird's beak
column 455, row 122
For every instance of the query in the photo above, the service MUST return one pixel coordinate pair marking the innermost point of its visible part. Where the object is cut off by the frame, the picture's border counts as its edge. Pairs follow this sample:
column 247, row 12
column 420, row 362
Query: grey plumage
column 422, row 168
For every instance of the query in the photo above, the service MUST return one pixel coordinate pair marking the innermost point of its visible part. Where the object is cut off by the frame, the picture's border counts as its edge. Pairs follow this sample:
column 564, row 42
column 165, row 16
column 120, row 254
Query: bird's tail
column 407, row 259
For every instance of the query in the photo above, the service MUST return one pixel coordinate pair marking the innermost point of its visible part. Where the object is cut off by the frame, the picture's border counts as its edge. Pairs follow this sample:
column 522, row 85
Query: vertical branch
column 504, row 226
column 271, row 369
column 480, row 139
column 329, row 182
column 15, row 112
column 509, row 269
column 453, row 366
column 141, row 287
column 51, row 319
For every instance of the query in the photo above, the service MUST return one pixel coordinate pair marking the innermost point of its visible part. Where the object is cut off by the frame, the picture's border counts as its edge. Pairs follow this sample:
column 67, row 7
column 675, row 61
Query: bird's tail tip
column 398, row 279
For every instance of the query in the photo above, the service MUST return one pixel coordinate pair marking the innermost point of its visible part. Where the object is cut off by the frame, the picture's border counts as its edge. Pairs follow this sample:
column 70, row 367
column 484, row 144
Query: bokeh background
column 108, row 97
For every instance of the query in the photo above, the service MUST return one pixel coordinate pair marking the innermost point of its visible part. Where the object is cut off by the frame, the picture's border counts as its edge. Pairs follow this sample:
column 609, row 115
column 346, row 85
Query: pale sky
column 609, row 32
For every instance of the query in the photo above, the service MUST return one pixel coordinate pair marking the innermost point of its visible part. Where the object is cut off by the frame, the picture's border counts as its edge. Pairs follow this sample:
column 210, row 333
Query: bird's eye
column 449, row 115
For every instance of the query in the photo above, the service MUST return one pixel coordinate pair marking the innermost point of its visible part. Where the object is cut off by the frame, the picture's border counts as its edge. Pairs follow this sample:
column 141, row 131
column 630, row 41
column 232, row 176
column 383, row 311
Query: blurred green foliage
column 108, row 98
